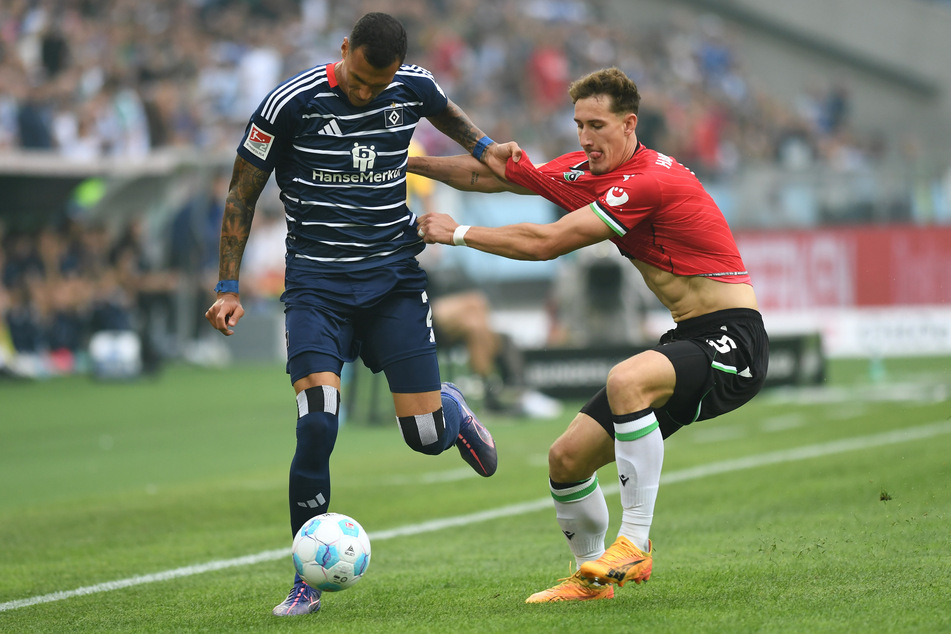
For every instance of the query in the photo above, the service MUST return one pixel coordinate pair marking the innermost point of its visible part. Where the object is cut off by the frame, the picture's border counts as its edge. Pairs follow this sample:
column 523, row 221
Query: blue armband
column 480, row 146
column 227, row 286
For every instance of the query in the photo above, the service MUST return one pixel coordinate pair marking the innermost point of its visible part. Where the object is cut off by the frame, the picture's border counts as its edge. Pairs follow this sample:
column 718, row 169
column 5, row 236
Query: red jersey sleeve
column 550, row 184
column 627, row 202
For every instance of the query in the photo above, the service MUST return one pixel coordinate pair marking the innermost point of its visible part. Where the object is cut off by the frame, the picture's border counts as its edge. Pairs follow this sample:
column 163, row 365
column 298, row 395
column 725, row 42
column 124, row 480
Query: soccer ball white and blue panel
column 331, row 552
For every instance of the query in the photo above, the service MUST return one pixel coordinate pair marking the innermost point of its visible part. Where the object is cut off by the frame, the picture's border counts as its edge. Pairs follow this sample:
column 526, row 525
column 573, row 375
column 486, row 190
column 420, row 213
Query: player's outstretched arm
column 247, row 183
column 462, row 172
column 523, row 241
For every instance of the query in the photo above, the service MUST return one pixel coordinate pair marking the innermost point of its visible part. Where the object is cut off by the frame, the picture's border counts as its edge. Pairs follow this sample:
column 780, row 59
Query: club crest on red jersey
column 616, row 197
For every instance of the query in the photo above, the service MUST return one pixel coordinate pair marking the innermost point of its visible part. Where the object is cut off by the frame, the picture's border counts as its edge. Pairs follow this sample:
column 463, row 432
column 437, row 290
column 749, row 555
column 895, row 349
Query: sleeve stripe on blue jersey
column 285, row 93
column 412, row 69
column 277, row 109
column 416, row 71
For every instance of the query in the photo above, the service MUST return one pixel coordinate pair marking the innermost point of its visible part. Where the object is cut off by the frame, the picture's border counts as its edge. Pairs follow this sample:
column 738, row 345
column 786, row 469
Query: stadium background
column 159, row 505
column 823, row 140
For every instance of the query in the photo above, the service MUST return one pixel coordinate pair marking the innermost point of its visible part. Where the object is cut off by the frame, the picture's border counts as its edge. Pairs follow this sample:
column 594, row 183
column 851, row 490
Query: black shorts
column 720, row 360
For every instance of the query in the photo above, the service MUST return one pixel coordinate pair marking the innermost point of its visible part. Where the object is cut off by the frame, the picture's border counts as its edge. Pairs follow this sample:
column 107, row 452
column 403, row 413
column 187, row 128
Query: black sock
column 309, row 482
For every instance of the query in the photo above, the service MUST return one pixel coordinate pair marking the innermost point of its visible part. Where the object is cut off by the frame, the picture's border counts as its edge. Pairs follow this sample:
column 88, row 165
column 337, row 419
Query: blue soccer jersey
column 341, row 169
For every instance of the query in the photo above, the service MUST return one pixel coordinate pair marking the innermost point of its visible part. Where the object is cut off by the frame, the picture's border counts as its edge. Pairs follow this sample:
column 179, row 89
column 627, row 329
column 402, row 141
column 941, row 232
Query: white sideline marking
column 726, row 466
column 463, row 473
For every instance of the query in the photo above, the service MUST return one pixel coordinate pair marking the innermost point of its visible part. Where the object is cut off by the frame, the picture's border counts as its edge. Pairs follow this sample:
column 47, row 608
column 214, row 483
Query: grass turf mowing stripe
column 725, row 466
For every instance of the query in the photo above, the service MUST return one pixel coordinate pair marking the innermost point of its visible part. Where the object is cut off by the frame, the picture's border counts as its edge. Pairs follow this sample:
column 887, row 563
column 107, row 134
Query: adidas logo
column 314, row 503
column 331, row 129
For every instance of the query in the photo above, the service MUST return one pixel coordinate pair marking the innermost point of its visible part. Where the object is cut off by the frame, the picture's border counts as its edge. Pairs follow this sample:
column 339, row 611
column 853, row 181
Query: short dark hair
column 382, row 38
column 611, row 82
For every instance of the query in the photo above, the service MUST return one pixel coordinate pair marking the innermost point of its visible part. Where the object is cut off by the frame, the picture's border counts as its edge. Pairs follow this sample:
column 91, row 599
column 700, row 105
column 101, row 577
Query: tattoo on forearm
column 247, row 182
column 423, row 167
column 455, row 124
column 474, row 178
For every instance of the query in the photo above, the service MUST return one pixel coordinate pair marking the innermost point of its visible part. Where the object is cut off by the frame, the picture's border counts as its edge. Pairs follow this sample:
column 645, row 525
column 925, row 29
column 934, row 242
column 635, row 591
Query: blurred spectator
column 35, row 119
column 122, row 77
column 153, row 287
column 548, row 74
column 118, row 79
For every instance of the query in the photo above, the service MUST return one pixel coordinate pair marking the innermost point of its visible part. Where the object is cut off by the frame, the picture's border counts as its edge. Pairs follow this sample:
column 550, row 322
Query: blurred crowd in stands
column 65, row 283
column 123, row 77
column 85, row 79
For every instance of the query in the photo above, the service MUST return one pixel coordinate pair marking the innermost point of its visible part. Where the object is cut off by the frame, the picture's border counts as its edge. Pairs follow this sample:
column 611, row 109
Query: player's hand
column 498, row 154
column 436, row 228
column 225, row 313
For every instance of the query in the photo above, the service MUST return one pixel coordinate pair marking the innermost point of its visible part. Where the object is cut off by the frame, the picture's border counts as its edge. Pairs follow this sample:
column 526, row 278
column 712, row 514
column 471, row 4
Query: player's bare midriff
column 692, row 296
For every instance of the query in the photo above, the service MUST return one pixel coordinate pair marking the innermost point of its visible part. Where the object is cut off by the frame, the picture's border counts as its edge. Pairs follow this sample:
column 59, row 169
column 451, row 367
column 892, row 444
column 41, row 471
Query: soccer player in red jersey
column 661, row 219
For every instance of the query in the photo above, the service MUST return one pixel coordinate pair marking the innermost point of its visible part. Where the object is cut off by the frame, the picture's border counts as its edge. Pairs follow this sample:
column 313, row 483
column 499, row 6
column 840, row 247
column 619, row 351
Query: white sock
column 582, row 515
column 639, row 453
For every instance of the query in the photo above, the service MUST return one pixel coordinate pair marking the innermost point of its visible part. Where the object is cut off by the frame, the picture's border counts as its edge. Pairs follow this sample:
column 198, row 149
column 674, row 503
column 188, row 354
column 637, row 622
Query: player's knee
column 317, row 409
column 619, row 381
column 563, row 463
column 628, row 388
column 477, row 307
column 424, row 433
column 320, row 398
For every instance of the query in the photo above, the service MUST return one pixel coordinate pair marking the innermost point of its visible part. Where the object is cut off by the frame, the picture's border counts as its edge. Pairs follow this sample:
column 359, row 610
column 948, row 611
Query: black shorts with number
column 720, row 360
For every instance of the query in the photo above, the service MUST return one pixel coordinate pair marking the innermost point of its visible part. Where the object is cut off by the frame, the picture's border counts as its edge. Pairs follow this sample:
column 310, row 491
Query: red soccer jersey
column 660, row 212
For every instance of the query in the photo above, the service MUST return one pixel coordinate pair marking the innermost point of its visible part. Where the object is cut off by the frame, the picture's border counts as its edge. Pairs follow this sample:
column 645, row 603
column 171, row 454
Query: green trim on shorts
column 729, row 369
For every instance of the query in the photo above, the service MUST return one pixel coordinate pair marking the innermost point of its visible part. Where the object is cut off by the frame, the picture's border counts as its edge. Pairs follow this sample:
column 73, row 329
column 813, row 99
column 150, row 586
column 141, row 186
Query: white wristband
column 459, row 235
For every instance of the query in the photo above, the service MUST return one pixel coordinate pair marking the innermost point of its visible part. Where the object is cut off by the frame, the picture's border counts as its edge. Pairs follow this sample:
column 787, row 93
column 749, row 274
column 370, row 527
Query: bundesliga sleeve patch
column 258, row 142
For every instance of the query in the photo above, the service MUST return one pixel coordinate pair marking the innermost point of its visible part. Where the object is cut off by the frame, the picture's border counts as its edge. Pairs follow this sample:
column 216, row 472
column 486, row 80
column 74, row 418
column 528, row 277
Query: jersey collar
column 331, row 75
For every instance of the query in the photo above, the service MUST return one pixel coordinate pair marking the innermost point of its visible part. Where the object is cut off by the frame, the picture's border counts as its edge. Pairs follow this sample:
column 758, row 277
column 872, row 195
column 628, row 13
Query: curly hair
column 611, row 82
column 382, row 38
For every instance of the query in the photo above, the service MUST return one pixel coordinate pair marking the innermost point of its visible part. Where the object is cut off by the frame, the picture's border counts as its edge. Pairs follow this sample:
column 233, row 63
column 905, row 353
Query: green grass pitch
column 160, row 506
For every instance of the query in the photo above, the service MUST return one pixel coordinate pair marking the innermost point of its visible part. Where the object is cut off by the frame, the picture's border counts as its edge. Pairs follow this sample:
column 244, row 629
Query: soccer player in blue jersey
column 336, row 137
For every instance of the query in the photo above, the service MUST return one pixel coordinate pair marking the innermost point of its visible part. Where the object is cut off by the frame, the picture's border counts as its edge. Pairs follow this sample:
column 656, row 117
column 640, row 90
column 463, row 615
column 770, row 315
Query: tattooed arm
column 247, row 183
column 456, row 125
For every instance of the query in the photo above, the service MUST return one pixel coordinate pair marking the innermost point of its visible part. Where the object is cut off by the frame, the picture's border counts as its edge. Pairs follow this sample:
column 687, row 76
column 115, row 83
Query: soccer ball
column 331, row 552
